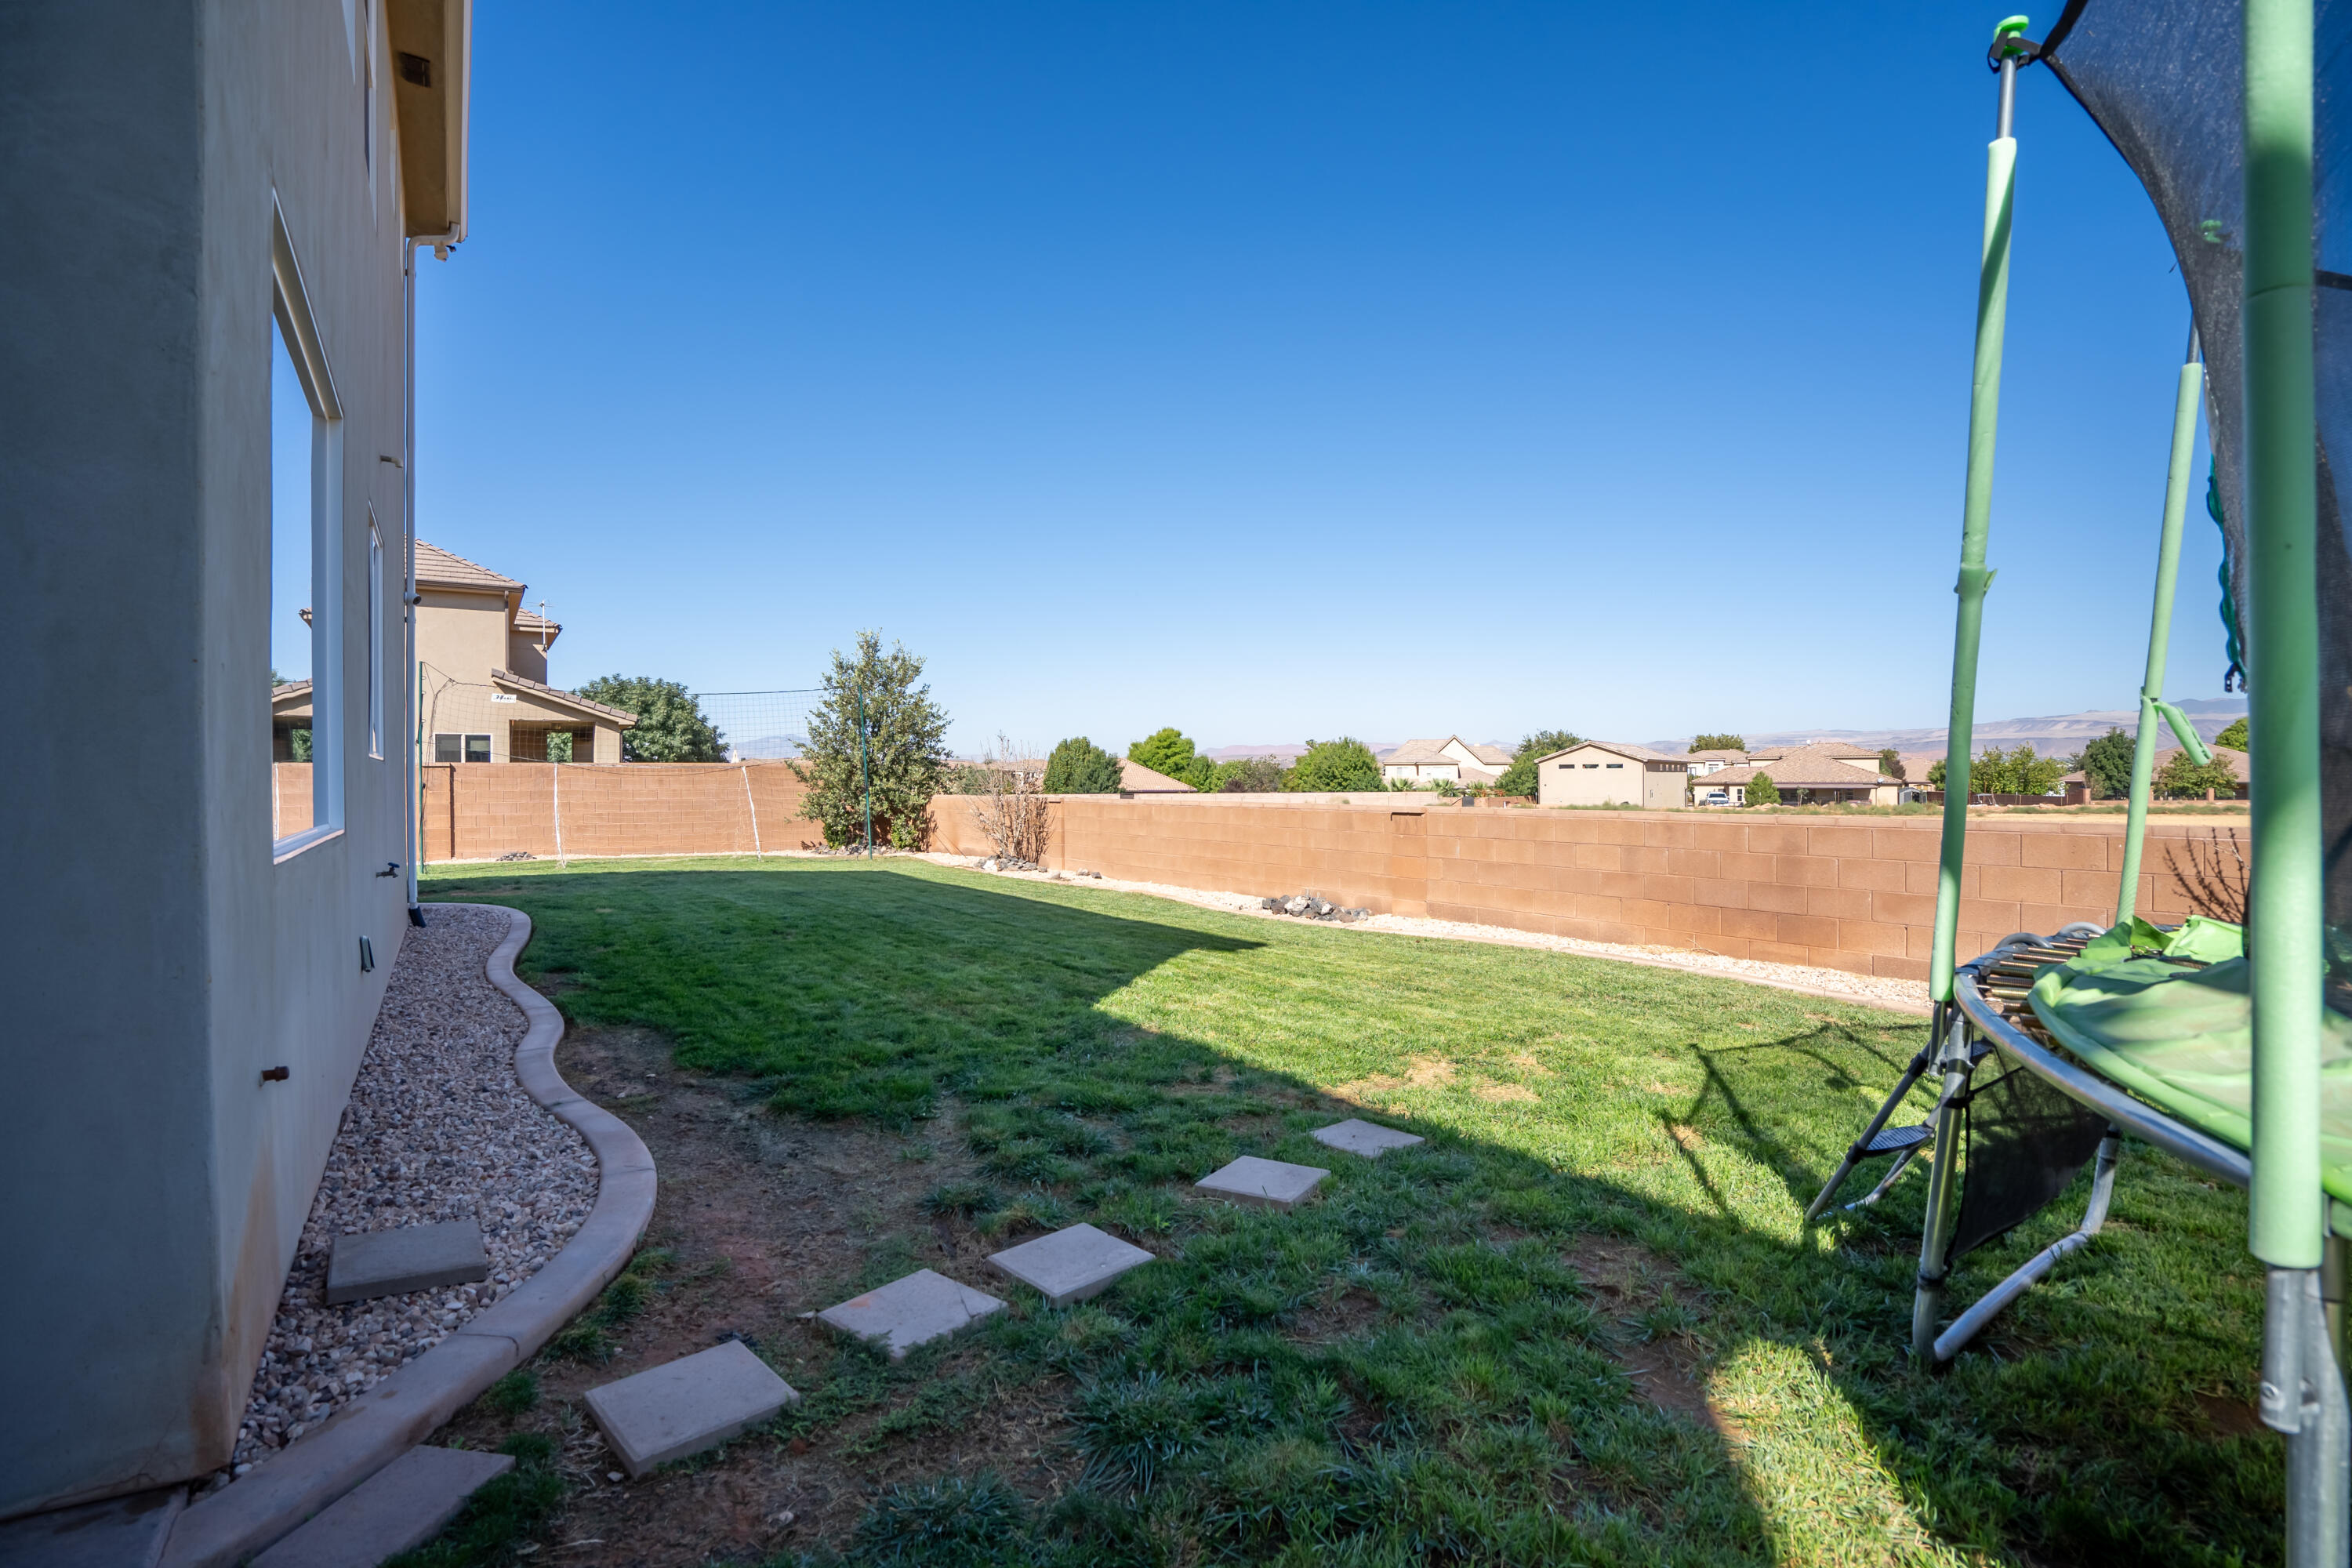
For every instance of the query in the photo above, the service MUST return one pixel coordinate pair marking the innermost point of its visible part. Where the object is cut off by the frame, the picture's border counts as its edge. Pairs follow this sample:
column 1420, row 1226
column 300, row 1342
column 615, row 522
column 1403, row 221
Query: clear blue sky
column 1298, row 370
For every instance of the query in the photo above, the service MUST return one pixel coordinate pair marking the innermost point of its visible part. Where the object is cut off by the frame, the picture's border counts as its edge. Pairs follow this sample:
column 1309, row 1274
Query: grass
column 1425, row 1365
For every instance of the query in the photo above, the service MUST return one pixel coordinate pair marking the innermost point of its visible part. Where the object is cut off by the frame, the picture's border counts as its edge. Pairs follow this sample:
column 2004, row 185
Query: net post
column 864, row 772
column 2186, row 399
column 1976, row 517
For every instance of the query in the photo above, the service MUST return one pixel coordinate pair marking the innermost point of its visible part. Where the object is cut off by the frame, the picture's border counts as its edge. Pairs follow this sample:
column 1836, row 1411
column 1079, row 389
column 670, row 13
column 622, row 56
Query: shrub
column 904, row 758
column 299, row 739
column 1345, row 763
column 2106, row 764
column 2235, row 737
column 558, row 745
column 1762, row 791
column 948, row 1525
column 1248, row 776
column 1171, row 751
column 1078, row 767
column 1890, row 761
column 1718, row 743
column 2183, row 779
column 1012, row 811
column 670, row 726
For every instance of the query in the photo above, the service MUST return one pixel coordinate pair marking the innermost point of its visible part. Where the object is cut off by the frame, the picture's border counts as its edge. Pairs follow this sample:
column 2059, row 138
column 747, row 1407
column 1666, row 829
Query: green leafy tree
column 1247, row 775
column 2106, row 765
column 1890, row 761
column 1761, row 790
column 558, row 745
column 1935, row 773
column 2017, row 771
column 1345, row 763
column 904, row 751
column 2182, row 779
column 1171, row 751
column 2235, row 736
column 1519, row 778
column 1078, row 767
column 670, row 726
column 299, row 741
column 1718, row 743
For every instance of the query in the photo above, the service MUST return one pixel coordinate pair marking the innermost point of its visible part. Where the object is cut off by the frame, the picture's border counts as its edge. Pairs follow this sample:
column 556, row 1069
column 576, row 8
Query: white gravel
column 437, row 1129
column 1905, row 995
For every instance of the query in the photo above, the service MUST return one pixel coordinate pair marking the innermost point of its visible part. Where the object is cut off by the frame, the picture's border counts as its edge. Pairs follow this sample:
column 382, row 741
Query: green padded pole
column 2283, row 643
column 1976, row 521
column 2160, row 626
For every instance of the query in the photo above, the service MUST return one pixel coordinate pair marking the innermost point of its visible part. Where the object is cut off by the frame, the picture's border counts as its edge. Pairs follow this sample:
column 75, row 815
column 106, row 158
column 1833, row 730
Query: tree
column 2182, row 779
column 558, row 745
column 2235, row 736
column 2106, row 764
column 1345, row 763
column 1078, row 767
column 2017, row 771
column 1171, row 752
column 1761, row 790
column 1890, row 763
column 670, row 727
column 904, row 749
column 1718, row 743
column 1247, row 775
column 1935, row 773
column 1519, row 778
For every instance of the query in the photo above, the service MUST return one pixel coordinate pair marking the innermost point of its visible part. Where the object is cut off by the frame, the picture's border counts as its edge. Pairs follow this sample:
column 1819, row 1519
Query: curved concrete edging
column 394, row 1416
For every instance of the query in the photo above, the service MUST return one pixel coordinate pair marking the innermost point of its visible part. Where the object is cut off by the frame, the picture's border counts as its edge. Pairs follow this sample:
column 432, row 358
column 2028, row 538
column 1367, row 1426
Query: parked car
column 1716, row 797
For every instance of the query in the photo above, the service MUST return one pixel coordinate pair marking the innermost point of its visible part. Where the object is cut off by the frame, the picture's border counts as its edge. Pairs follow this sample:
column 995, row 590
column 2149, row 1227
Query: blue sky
column 1279, row 371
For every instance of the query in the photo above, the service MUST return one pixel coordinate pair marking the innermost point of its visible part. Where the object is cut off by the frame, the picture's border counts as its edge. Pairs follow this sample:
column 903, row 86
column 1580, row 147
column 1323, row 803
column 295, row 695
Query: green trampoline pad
column 2181, row 1036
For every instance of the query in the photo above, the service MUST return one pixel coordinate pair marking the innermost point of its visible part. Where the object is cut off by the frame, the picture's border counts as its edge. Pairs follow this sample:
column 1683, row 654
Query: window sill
column 285, row 849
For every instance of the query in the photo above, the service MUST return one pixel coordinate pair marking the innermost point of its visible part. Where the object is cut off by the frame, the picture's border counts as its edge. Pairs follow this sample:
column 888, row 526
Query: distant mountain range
column 767, row 746
column 2059, row 734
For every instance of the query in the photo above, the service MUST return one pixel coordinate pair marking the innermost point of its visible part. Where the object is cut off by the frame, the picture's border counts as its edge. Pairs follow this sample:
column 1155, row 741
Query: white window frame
column 298, row 326
column 375, row 637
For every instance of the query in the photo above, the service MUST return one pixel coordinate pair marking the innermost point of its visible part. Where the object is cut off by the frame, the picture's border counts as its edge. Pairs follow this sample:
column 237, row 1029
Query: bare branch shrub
column 1012, row 810
column 2213, row 871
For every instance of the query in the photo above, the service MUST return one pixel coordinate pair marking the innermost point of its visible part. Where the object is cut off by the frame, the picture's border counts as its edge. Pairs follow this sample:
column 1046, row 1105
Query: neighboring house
column 1611, row 772
column 1425, row 762
column 1713, row 761
column 481, row 659
column 1134, row 778
column 1811, row 775
column 222, row 206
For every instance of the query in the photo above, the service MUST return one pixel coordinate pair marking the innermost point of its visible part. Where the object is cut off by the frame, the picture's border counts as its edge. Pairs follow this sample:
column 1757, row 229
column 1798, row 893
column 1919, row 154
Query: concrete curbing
column 280, row 1496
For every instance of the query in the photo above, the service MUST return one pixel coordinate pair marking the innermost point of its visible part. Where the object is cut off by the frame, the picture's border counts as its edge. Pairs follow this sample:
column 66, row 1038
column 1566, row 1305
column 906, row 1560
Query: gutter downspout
column 408, row 584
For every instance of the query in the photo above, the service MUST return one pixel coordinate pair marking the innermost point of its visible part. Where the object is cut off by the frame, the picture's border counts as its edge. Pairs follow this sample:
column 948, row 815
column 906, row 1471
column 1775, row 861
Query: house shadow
column 1473, row 1389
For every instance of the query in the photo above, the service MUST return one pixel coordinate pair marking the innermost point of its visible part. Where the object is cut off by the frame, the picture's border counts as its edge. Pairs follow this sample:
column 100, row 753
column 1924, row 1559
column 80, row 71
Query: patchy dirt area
column 766, row 1218
column 1633, row 1288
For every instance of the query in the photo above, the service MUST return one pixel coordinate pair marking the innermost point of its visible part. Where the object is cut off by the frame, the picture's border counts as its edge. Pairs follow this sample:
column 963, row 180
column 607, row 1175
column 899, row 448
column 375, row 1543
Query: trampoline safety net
column 2163, row 79
column 2026, row 1143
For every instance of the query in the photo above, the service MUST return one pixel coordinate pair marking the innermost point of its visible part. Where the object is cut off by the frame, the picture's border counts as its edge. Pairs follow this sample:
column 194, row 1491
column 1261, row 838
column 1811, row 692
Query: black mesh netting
column 2162, row 78
column 2026, row 1143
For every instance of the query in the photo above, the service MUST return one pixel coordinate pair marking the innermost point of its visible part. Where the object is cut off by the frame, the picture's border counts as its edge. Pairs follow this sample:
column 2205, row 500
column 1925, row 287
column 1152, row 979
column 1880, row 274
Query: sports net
column 2163, row 79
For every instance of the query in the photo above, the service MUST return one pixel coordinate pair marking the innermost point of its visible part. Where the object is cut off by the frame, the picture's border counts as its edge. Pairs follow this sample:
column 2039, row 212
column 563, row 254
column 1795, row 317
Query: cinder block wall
column 1856, row 894
column 480, row 812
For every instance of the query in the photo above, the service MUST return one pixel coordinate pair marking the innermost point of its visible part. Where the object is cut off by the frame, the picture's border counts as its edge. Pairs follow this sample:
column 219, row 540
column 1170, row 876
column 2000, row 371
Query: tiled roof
column 1623, row 749
column 1138, row 779
column 620, row 716
column 1494, row 755
column 1719, row 756
column 1435, row 751
column 534, row 623
column 438, row 567
column 1801, row 767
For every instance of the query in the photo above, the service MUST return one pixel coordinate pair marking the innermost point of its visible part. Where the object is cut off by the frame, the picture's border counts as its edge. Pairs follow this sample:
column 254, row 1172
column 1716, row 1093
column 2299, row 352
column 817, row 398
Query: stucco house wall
column 159, row 953
column 1601, row 772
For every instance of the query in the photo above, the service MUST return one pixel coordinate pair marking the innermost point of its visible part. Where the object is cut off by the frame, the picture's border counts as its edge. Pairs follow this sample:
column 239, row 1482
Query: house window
column 461, row 748
column 375, row 639
column 1616, row 765
column 306, row 558
column 1592, row 764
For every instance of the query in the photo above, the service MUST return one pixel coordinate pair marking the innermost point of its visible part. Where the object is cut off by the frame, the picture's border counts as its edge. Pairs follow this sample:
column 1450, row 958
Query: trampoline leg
column 1855, row 1153
column 1928, row 1302
column 2303, row 1396
column 1989, row 1305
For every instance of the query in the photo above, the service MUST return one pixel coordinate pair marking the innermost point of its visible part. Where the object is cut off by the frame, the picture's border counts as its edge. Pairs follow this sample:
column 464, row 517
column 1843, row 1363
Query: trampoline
column 2215, row 1043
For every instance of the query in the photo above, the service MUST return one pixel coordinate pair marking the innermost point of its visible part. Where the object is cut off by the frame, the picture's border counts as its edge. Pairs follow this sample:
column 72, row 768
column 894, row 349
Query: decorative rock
column 413, row 1257
column 684, row 1407
column 908, row 1313
column 1274, row 1184
column 1368, row 1139
column 403, row 1505
column 1070, row 1265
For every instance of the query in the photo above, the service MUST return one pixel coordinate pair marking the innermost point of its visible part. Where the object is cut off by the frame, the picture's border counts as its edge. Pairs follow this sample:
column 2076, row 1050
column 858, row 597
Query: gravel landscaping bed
column 1909, row 995
column 437, row 1129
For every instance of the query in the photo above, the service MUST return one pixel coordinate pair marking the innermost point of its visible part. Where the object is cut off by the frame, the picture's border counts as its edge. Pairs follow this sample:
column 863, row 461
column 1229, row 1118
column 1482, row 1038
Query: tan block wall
column 1852, row 894
column 480, row 812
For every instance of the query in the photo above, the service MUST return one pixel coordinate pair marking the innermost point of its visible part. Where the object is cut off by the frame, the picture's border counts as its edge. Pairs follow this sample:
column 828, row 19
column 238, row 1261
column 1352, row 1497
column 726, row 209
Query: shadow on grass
column 1103, row 1051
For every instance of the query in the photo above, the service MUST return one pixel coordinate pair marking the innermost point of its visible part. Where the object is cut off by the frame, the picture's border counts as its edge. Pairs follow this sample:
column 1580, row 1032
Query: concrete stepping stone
column 1366, row 1138
column 400, row 1506
column 120, row 1532
column 413, row 1257
column 684, row 1407
column 1274, row 1184
column 908, row 1313
column 1070, row 1265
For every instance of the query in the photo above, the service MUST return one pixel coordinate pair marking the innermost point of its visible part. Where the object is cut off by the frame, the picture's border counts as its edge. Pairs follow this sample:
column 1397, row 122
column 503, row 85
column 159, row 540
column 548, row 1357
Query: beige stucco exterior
column 1599, row 772
column 482, row 665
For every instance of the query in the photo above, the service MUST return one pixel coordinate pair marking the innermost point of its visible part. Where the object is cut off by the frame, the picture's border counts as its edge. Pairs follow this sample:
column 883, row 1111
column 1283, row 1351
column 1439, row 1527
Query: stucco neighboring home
column 1713, row 761
column 1134, row 778
column 482, row 672
column 1613, row 772
column 1811, row 775
column 1425, row 762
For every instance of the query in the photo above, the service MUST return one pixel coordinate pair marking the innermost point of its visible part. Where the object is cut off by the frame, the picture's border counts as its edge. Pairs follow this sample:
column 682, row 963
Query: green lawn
column 1421, row 1366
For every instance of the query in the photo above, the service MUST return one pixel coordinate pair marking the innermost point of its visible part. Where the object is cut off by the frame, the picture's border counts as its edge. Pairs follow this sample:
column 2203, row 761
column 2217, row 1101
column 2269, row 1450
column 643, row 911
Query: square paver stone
column 1070, row 1265
column 1276, row 1183
column 413, row 1258
column 908, row 1313
column 1366, row 1138
column 404, row 1504
column 684, row 1407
